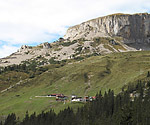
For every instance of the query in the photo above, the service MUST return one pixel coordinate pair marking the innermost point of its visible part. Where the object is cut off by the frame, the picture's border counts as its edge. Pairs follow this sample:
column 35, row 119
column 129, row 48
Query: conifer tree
column 10, row 120
column 148, row 74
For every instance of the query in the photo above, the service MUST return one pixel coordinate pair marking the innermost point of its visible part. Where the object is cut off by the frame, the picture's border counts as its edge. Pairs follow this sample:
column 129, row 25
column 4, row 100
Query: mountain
column 133, row 29
column 66, row 49
column 80, row 65
column 103, row 35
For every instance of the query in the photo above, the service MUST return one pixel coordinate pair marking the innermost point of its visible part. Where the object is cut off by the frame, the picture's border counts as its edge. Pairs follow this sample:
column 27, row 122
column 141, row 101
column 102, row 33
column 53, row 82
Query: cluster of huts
column 74, row 98
column 59, row 97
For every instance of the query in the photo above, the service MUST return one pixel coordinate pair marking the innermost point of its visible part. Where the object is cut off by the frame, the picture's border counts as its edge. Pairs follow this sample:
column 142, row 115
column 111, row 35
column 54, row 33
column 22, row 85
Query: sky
column 31, row 22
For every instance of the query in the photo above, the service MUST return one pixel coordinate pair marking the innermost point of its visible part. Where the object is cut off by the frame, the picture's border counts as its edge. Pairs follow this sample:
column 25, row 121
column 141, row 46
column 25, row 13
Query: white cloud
column 6, row 50
column 28, row 21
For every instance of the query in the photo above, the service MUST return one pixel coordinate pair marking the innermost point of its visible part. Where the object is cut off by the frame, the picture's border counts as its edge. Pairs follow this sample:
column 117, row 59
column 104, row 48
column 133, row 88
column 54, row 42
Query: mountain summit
column 134, row 29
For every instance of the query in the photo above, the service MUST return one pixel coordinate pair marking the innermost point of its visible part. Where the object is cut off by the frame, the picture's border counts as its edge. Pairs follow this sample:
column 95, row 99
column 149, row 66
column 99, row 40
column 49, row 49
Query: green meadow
column 82, row 78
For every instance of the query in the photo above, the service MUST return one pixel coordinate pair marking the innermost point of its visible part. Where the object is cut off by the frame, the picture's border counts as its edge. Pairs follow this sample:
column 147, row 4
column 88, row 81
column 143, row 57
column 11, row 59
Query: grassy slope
column 83, row 78
column 10, row 78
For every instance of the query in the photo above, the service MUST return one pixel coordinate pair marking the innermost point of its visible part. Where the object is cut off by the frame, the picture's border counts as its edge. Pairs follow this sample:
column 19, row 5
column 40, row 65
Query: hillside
column 100, row 54
column 103, row 35
column 65, row 49
column 85, row 77
column 131, row 106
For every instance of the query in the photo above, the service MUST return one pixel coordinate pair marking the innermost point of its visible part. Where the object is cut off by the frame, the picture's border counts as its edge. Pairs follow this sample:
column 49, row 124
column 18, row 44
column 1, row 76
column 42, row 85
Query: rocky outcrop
column 24, row 48
column 134, row 29
column 113, row 33
column 46, row 45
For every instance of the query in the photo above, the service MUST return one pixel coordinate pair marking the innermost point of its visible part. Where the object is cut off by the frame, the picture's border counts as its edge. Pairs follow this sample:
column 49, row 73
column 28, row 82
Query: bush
column 79, row 58
column 148, row 74
column 86, row 77
column 69, row 43
column 31, row 75
column 52, row 61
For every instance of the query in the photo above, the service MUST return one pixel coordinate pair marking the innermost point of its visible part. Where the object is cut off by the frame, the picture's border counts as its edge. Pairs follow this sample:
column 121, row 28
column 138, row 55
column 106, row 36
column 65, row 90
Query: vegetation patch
column 119, row 47
column 108, row 47
column 68, row 43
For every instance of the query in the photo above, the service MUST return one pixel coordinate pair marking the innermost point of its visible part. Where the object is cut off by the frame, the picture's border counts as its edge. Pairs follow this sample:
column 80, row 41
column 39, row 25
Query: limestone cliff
column 113, row 33
column 134, row 29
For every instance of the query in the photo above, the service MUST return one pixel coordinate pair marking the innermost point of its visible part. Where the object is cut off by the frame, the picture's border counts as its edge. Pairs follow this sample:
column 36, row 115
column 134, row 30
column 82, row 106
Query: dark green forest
column 130, row 107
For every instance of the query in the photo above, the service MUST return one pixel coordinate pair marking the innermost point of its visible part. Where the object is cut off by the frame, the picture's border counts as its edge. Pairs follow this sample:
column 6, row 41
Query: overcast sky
column 30, row 22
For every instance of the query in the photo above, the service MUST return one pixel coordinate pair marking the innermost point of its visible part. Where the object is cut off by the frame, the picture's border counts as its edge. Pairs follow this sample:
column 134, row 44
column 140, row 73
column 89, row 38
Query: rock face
column 134, row 29
column 113, row 33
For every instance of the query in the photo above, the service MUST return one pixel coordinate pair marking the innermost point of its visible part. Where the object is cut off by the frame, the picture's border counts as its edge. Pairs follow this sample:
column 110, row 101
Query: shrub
column 52, row 61
column 69, row 43
column 79, row 58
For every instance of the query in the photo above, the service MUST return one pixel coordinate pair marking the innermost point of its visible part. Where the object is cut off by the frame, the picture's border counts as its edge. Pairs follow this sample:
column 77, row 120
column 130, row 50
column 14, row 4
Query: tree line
column 107, row 109
column 30, row 68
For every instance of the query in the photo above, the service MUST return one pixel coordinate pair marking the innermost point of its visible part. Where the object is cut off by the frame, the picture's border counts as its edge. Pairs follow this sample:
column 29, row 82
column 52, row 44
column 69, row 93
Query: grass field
column 82, row 78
